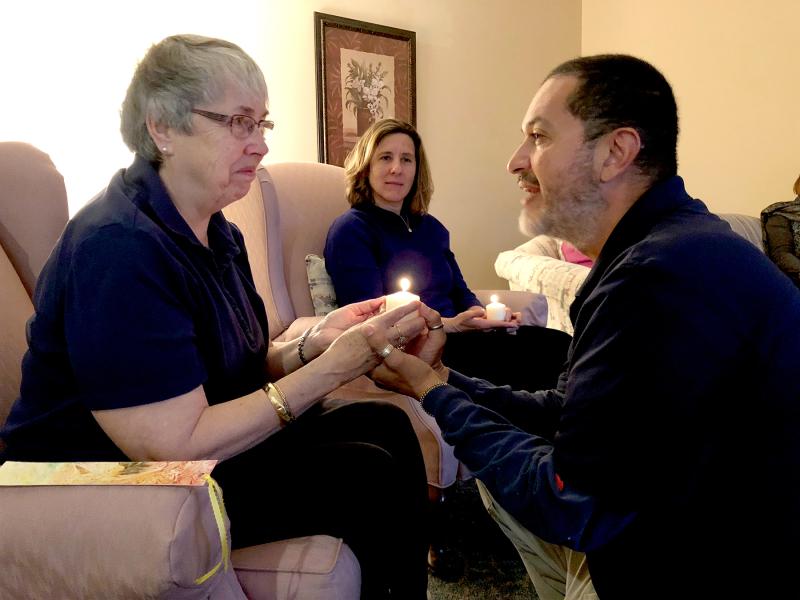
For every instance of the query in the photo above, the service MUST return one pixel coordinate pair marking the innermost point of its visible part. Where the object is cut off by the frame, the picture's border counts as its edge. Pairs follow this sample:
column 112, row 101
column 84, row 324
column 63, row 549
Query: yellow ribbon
column 217, row 505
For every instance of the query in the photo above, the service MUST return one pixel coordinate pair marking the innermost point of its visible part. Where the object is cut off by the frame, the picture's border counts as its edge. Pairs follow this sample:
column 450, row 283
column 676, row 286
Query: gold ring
column 435, row 327
column 387, row 350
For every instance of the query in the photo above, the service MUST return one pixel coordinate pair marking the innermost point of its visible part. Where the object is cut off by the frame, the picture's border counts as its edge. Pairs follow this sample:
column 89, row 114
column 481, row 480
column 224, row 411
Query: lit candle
column 495, row 311
column 402, row 297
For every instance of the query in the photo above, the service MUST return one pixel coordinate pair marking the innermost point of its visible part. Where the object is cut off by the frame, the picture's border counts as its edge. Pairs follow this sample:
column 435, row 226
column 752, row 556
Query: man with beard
column 666, row 463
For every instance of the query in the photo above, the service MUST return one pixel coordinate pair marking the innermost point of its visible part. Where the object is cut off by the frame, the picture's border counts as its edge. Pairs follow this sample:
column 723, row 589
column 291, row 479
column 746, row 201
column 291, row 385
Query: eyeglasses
column 241, row 126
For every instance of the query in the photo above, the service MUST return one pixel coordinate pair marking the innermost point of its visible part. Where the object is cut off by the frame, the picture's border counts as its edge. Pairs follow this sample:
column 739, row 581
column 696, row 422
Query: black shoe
column 445, row 563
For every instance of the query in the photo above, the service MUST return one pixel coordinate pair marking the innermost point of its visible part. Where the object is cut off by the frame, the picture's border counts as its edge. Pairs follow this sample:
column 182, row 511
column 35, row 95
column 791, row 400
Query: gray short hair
column 176, row 75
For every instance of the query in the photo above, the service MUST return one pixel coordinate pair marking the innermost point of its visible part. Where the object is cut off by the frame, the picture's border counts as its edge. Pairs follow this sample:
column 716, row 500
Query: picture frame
column 365, row 72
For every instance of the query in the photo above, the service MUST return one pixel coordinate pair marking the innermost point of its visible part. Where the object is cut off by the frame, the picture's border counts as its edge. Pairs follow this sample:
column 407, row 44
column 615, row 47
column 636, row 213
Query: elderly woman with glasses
column 150, row 342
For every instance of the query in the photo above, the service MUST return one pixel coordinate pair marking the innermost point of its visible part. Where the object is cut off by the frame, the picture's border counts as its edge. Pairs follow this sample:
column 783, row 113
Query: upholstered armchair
column 121, row 541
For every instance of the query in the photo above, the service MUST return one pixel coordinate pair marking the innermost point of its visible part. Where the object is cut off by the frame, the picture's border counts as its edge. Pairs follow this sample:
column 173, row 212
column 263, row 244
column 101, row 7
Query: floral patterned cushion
column 556, row 279
column 323, row 297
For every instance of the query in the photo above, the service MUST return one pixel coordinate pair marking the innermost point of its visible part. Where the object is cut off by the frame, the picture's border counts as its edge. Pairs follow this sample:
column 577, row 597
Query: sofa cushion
column 319, row 566
column 746, row 226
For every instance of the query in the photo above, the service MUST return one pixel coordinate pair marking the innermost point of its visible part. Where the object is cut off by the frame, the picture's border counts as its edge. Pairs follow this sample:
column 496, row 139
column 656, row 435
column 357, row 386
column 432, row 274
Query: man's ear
column 617, row 152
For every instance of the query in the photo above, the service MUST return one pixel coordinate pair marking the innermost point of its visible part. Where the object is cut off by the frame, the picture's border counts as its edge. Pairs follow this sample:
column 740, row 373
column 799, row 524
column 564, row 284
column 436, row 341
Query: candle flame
column 405, row 284
column 493, row 298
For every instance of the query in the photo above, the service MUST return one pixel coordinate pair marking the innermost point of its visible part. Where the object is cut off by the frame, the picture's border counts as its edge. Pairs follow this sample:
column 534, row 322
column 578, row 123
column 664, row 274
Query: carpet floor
column 492, row 567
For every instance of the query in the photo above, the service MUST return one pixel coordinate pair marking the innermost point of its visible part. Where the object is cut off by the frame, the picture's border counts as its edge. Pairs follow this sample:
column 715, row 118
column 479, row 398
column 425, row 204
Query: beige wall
column 733, row 64
column 734, row 67
column 477, row 67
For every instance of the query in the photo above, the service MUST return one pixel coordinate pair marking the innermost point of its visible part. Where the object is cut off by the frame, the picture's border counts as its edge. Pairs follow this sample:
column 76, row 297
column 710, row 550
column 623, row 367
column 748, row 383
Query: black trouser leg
column 531, row 359
column 355, row 472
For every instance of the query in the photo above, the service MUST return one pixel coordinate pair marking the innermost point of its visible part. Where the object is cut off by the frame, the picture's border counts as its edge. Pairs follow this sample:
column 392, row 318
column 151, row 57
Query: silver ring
column 435, row 327
column 387, row 350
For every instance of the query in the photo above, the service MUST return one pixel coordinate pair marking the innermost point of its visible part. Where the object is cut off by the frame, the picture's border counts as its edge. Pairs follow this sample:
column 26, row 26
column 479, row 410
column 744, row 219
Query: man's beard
column 573, row 212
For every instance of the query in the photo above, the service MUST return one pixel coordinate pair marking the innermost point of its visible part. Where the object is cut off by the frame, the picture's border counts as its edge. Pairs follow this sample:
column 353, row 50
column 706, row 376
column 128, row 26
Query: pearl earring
column 164, row 149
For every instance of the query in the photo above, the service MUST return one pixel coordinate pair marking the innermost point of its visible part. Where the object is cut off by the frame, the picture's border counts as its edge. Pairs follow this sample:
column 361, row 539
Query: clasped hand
column 413, row 370
column 337, row 322
column 357, row 336
column 353, row 353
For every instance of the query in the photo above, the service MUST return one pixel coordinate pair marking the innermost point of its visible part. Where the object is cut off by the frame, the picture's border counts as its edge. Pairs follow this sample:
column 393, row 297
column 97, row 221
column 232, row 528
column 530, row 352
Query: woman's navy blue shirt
column 131, row 309
column 369, row 249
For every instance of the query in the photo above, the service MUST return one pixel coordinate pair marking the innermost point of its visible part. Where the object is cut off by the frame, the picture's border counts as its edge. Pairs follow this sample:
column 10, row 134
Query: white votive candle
column 495, row 311
column 402, row 297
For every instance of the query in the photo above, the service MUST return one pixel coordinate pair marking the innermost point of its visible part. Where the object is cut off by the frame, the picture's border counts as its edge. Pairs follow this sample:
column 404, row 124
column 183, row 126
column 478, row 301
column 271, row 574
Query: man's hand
column 414, row 370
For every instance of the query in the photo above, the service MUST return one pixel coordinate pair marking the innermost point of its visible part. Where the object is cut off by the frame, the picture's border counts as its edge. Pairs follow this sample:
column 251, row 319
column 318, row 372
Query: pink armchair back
column 283, row 219
column 33, row 212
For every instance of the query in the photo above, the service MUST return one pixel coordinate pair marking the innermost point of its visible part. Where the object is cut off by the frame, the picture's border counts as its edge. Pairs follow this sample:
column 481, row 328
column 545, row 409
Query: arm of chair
column 557, row 280
column 542, row 245
column 541, row 274
column 111, row 541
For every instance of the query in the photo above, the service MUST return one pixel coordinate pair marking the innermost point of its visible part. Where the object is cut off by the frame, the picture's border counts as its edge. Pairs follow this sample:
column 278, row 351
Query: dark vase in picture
column 363, row 120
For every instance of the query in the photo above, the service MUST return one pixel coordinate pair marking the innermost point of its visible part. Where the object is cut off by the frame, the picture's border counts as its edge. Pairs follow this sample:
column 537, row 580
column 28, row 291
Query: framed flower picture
column 365, row 72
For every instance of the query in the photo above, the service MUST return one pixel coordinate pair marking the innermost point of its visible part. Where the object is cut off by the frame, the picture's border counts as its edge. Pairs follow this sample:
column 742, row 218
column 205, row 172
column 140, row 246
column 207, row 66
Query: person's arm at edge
column 781, row 244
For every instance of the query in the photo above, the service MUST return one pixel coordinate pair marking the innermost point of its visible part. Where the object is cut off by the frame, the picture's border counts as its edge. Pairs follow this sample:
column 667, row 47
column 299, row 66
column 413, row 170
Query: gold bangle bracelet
column 278, row 401
column 430, row 389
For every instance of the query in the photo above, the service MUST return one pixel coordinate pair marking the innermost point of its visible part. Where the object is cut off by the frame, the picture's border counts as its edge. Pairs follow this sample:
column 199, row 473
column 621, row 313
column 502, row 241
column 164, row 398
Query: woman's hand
column 414, row 370
column 336, row 323
column 409, row 372
column 429, row 345
column 475, row 318
column 352, row 354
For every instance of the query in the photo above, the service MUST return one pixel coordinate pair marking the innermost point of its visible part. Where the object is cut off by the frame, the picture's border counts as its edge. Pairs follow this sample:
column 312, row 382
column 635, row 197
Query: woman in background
column 389, row 234
column 150, row 342
column 781, row 226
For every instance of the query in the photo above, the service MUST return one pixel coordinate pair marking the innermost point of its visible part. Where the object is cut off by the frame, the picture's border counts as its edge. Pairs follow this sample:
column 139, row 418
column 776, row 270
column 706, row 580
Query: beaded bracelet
column 430, row 389
column 300, row 344
column 278, row 401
